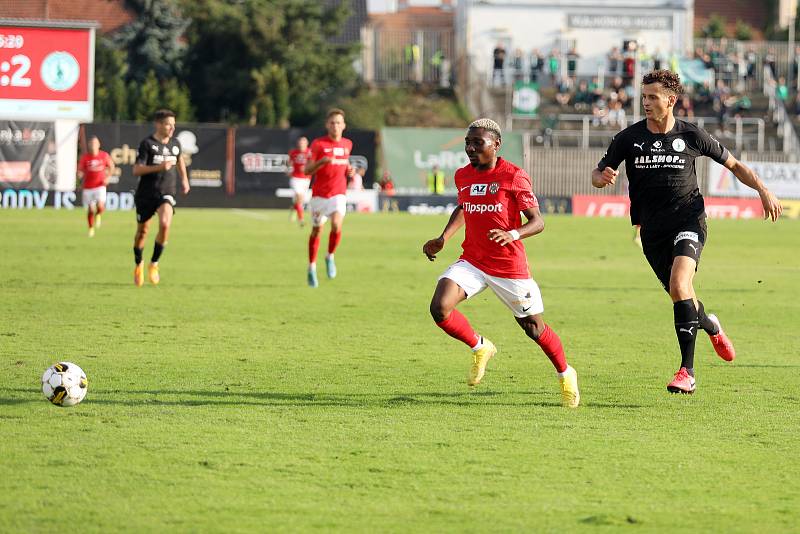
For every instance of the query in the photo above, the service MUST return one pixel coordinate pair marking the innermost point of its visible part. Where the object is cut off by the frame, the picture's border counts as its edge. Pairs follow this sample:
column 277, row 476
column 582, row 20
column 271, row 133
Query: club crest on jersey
column 678, row 145
column 176, row 150
column 494, row 187
column 478, row 190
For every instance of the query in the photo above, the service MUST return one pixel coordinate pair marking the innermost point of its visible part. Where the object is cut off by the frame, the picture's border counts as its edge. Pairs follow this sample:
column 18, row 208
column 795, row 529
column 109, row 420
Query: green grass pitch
column 233, row 398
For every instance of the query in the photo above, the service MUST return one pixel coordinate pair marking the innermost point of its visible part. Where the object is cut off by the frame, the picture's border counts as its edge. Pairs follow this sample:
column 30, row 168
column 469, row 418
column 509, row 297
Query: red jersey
column 494, row 199
column 331, row 178
column 298, row 162
column 94, row 169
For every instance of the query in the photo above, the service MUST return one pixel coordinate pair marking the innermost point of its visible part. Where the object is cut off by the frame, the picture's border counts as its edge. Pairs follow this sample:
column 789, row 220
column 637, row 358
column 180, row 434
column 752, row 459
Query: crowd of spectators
column 736, row 75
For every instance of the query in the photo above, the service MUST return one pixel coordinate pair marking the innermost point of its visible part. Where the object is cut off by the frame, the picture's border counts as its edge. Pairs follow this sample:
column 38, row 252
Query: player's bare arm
column 771, row 204
column 110, row 170
column 184, row 175
column 533, row 226
column 607, row 176
column 433, row 246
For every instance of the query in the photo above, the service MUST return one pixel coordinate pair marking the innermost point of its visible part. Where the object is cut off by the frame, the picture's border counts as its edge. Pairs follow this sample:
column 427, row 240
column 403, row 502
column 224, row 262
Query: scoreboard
column 46, row 72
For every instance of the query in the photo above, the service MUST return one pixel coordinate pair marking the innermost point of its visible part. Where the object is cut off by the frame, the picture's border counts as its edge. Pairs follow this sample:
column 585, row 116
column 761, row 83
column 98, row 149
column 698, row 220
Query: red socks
column 299, row 209
column 313, row 247
column 333, row 241
column 551, row 345
column 90, row 216
column 457, row 326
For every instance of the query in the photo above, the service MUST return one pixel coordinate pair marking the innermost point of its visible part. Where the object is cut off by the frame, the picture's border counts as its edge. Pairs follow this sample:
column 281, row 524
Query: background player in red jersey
column 298, row 179
column 94, row 168
column 491, row 194
column 330, row 165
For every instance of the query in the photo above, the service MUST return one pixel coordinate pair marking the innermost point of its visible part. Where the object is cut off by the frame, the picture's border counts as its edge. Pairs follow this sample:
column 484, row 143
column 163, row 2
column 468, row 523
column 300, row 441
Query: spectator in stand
column 797, row 105
column 751, row 59
column 553, row 64
column 658, row 60
column 499, row 58
column 629, row 63
column 563, row 91
column 617, row 84
column 517, row 65
column 616, row 115
column 600, row 112
column 769, row 60
column 536, row 62
column 596, row 89
column 782, row 91
column 614, row 61
column 583, row 97
column 685, row 107
column 572, row 63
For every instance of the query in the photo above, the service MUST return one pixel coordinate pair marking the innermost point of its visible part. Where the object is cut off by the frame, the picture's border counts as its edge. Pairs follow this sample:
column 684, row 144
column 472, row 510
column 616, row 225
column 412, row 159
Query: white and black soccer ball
column 64, row 384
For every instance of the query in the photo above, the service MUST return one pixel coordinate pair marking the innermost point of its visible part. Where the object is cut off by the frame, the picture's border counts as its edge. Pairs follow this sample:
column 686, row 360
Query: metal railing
column 407, row 56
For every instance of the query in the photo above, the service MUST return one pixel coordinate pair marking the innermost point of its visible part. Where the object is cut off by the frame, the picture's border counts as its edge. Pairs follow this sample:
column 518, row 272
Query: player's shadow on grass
column 544, row 398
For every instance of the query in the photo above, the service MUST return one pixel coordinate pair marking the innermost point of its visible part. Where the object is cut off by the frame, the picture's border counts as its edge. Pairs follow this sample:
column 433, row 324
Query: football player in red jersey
column 330, row 166
column 94, row 168
column 298, row 179
column 491, row 194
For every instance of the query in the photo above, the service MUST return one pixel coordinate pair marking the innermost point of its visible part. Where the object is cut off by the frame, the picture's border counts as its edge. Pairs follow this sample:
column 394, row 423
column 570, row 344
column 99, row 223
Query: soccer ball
column 64, row 384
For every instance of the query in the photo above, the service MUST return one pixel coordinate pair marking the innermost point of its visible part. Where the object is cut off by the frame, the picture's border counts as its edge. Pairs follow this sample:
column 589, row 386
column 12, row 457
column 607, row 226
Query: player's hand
column 608, row 176
column 167, row 165
column 432, row 247
column 186, row 188
column 501, row 237
column 772, row 206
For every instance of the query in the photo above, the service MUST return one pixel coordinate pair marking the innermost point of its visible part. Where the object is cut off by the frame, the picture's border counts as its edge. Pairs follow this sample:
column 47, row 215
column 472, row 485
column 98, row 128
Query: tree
column 110, row 94
column 153, row 41
column 266, row 61
column 715, row 27
column 743, row 32
column 148, row 97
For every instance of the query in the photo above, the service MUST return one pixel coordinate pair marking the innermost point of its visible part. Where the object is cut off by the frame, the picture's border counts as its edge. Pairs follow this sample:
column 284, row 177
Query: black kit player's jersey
column 661, row 172
column 154, row 152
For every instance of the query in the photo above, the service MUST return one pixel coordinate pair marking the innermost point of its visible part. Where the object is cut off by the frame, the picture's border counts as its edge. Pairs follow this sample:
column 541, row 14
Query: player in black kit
column 158, row 164
column 659, row 154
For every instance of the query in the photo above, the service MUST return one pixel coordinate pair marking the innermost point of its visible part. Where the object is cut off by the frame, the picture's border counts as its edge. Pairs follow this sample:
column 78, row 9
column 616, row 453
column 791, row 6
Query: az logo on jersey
column 478, row 190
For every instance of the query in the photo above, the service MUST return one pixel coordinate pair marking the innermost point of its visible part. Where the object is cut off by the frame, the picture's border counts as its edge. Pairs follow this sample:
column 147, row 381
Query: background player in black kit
column 659, row 154
column 158, row 163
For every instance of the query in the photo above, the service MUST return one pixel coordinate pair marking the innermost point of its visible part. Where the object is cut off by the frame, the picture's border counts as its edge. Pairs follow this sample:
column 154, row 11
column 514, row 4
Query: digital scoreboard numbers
column 46, row 73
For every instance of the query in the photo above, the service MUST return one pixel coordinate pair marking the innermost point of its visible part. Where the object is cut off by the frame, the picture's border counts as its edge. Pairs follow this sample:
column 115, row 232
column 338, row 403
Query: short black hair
column 162, row 114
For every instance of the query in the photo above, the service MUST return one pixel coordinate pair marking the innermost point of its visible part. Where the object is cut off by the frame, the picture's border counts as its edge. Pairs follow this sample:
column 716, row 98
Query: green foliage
column 217, row 403
column 175, row 96
column 147, row 97
column 111, row 94
column 374, row 109
column 153, row 40
column 241, row 52
column 743, row 32
column 714, row 28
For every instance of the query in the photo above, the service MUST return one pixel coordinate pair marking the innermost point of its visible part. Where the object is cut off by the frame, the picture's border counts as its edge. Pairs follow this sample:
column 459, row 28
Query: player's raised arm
column 771, row 204
column 433, row 246
column 533, row 226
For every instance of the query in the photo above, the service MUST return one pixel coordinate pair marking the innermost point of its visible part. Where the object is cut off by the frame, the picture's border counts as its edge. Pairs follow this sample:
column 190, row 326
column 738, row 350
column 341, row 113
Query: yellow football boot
column 138, row 275
column 570, row 396
column 152, row 273
column 480, row 358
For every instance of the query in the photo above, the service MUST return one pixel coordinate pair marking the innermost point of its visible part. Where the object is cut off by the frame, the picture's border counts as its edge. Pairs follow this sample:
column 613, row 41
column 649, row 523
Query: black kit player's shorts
column 688, row 240
column 146, row 205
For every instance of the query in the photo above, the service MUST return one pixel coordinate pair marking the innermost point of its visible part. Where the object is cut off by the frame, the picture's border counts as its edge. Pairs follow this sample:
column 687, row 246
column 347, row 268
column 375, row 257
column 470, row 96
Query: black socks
column 686, row 323
column 706, row 323
column 158, row 248
column 137, row 255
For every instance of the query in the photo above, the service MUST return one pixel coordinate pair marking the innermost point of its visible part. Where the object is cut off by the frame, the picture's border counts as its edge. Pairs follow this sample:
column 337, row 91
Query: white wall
column 541, row 26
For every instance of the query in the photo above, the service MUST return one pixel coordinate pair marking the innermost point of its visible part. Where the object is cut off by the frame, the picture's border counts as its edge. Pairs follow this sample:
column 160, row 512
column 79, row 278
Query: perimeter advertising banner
column 410, row 153
column 783, row 179
column 27, row 155
column 619, row 206
column 262, row 155
column 204, row 151
column 46, row 73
